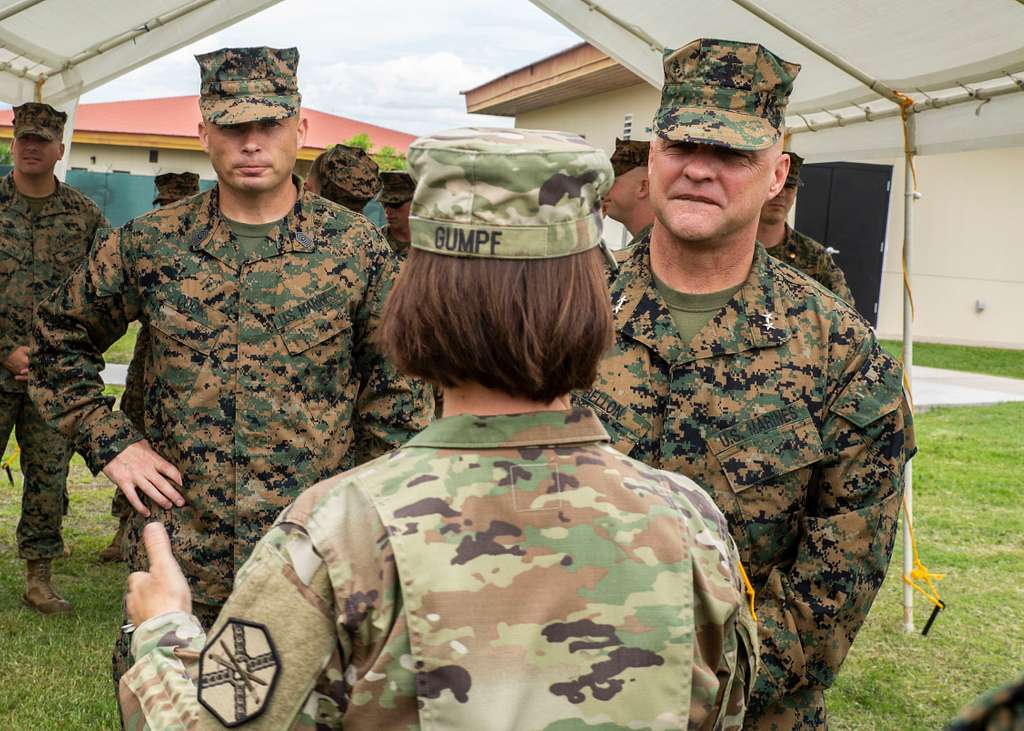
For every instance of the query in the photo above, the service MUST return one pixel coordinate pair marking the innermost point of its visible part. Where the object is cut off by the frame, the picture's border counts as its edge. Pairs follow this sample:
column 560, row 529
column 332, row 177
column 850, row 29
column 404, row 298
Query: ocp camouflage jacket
column 503, row 572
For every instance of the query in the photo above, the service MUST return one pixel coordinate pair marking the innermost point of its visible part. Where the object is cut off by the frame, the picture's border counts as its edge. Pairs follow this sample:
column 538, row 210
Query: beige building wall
column 135, row 160
column 968, row 253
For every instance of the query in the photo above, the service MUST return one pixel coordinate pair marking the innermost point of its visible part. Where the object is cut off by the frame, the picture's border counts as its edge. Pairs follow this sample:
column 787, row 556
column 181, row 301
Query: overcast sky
column 396, row 63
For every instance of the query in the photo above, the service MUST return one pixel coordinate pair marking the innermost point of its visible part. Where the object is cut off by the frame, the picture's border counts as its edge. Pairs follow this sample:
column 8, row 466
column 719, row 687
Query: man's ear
column 643, row 190
column 301, row 132
column 779, row 173
column 204, row 138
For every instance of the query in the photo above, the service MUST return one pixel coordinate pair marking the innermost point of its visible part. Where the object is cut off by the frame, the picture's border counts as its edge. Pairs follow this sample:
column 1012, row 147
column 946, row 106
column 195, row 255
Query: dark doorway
column 845, row 205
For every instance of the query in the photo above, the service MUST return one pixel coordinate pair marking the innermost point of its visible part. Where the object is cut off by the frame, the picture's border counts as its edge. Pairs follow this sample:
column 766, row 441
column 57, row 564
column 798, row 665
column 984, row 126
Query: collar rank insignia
column 768, row 316
column 237, row 672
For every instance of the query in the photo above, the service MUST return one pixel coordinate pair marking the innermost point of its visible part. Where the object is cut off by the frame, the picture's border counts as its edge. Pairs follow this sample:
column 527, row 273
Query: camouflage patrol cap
column 41, row 120
column 348, row 174
column 507, row 193
column 724, row 93
column 629, row 154
column 398, row 188
column 793, row 176
column 172, row 187
column 240, row 85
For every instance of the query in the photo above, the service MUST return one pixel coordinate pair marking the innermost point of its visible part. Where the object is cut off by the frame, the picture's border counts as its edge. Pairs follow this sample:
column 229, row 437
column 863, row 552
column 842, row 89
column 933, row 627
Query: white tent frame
column 636, row 55
column 124, row 50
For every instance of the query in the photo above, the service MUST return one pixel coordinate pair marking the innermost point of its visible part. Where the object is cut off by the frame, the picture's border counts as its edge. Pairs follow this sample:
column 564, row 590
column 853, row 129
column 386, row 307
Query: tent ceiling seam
column 128, row 36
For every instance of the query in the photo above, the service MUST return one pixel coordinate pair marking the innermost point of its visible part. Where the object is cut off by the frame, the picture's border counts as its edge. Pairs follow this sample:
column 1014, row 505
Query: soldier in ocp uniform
column 753, row 380
column 506, row 569
column 46, row 228
column 170, row 188
column 346, row 175
column 396, row 197
column 262, row 301
column 628, row 201
column 789, row 245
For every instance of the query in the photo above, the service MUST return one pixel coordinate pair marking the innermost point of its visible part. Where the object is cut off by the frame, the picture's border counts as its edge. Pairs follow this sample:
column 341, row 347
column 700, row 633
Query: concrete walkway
column 932, row 386
column 939, row 387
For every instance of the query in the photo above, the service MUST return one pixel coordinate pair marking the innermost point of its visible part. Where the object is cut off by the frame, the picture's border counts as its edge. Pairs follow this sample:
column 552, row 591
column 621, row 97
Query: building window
column 92, row 159
column 123, row 172
column 154, row 155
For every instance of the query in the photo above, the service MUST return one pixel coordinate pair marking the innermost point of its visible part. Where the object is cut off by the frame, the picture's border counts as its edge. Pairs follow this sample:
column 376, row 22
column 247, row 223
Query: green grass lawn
column 121, row 351
column 994, row 361
column 56, row 671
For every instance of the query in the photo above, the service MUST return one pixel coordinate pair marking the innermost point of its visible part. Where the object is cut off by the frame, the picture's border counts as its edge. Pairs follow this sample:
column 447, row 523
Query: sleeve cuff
column 168, row 630
column 106, row 438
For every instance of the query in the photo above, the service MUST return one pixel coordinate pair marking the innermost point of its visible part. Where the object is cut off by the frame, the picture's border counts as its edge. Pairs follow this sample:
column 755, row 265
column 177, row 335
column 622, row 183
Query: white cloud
column 396, row 63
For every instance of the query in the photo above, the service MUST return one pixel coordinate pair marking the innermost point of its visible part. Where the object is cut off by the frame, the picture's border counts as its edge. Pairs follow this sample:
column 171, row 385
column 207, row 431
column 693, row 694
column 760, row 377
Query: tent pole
column 70, row 107
column 909, row 195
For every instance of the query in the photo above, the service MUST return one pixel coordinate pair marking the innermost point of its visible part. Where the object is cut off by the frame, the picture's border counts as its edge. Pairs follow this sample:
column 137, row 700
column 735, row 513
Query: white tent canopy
column 56, row 50
column 958, row 66
column 926, row 49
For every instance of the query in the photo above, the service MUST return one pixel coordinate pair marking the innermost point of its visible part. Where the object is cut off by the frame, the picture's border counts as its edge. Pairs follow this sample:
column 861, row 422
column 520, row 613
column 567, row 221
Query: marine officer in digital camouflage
column 506, row 569
column 789, row 245
column 396, row 197
column 170, row 188
column 262, row 301
column 999, row 710
column 753, row 380
column 629, row 201
column 46, row 228
column 346, row 175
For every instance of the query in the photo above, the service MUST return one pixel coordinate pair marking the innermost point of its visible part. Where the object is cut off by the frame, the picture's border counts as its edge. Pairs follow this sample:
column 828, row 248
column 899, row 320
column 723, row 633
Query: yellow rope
column 920, row 572
column 750, row 589
column 8, row 461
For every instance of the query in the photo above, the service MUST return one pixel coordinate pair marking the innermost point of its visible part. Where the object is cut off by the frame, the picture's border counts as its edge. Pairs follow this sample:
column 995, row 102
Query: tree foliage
column 386, row 157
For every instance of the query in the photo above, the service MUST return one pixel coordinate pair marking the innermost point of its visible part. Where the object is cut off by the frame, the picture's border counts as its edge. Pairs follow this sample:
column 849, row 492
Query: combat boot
column 115, row 551
column 39, row 592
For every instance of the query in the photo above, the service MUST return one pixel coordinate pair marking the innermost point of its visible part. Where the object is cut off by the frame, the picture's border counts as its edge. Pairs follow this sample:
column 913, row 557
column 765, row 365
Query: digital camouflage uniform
column 397, row 191
column 806, row 254
column 502, row 572
column 170, row 187
column 1000, row 710
column 262, row 376
column 783, row 408
column 37, row 253
column 348, row 176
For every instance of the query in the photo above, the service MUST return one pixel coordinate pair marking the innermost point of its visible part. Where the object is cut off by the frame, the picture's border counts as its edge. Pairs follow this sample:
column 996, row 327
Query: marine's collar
column 211, row 231
column 535, row 429
column 754, row 318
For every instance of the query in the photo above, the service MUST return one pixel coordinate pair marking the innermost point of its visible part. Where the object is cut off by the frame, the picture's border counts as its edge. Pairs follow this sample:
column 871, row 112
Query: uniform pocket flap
column 766, row 446
column 301, row 335
column 875, row 390
column 184, row 329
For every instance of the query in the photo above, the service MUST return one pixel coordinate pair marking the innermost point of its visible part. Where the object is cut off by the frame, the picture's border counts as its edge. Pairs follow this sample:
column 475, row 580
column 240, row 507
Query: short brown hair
column 533, row 329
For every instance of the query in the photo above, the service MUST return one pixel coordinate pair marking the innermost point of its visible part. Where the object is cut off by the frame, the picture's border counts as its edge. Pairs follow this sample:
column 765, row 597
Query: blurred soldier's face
column 776, row 210
column 34, row 155
column 398, row 220
column 312, row 182
column 254, row 157
column 624, row 193
column 705, row 193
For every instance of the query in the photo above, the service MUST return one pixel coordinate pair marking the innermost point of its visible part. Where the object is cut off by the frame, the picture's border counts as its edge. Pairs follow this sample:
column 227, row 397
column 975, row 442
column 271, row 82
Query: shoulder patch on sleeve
column 238, row 669
column 874, row 391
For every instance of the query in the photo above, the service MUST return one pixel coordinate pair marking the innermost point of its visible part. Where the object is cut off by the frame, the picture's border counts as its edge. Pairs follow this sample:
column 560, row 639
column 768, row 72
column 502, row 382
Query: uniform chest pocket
column 9, row 261
column 184, row 330
column 312, row 331
column 767, row 447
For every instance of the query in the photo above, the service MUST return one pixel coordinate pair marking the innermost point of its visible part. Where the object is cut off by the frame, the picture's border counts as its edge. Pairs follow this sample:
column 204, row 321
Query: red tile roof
column 178, row 116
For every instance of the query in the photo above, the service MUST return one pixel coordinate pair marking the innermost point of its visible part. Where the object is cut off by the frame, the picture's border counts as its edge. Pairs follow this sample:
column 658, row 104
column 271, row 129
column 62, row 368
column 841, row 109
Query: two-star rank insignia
column 237, row 672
